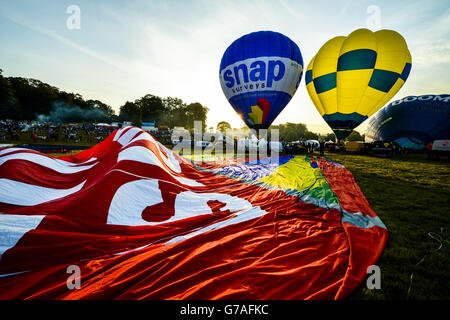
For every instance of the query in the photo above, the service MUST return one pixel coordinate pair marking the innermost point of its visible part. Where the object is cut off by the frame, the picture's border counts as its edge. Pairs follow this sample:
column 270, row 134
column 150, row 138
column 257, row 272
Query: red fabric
column 366, row 245
column 264, row 105
column 293, row 251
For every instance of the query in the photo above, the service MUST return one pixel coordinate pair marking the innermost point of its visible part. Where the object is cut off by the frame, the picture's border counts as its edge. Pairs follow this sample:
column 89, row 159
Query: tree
column 175, row 112
column 34, row 96
column 330, row 137
column 293, row 131
column 29, row 99
column 196, row 112
column 130, row 112
column 151, row 107
column 355, row 136
column 106, row 109
column 223, row 126
column 9, row 106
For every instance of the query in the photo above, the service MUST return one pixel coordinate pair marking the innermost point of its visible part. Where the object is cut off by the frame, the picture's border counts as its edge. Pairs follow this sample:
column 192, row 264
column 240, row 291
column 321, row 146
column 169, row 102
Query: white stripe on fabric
column 246, row 215
column 13, row 227
column 57, row 165
column 24, row 194
column 144, row 155
column 361, row 220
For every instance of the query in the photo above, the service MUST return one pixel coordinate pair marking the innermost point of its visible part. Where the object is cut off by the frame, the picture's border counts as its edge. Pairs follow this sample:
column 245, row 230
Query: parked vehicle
column 440, row 148
column 383, row 148
column 354, row 146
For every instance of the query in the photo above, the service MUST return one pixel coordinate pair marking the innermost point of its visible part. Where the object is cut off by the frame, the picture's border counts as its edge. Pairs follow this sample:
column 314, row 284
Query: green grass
column 60, row 154
column 411, row 195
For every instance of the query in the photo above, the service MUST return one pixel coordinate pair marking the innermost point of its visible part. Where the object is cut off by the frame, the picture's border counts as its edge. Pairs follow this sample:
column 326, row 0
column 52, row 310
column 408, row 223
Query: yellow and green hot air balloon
column 350, row 78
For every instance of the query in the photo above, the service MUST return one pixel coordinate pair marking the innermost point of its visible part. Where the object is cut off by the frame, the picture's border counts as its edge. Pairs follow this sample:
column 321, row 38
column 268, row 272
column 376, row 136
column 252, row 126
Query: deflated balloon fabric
column 141, row 222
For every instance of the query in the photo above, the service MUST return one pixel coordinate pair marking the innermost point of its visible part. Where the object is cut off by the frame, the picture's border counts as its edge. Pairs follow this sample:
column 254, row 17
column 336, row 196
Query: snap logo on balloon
column 261, row 73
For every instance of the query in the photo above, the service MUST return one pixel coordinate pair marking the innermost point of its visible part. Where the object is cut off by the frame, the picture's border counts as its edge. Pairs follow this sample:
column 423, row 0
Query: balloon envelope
column 412, row 122
column 259, row 74
column 350, row 78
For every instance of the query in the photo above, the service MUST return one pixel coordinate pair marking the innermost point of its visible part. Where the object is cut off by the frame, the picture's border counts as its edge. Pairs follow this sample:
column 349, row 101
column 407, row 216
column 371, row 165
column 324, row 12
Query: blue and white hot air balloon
column 259, row 74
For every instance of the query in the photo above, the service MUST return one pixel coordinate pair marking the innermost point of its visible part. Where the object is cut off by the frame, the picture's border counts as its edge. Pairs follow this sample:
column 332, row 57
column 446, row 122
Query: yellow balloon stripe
column 391, row 51
column 311, row 90
column 256, row 115
column 327, row 57
column 350, row 90
column 359, row 39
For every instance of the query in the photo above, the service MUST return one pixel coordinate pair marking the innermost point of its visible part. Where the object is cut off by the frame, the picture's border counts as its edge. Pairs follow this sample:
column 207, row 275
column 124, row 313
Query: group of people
column 37, row 132
column 45, row 132
column 9, row 130
column 304, row 147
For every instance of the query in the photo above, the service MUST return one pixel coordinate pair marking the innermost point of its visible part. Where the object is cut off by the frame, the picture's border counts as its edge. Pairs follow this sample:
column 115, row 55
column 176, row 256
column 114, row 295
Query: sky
column 124, row 50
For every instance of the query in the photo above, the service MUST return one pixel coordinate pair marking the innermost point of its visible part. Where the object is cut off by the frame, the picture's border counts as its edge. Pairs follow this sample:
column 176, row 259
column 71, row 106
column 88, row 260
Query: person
column 429, row 149
column 322, row 147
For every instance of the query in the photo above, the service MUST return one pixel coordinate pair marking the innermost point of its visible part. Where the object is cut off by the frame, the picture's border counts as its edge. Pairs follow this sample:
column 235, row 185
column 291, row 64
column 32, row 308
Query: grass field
column 411, row 195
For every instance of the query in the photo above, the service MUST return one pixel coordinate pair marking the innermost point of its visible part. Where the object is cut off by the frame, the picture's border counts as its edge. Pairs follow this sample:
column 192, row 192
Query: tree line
column 299, row 131
column 295, row 132
column 168, row 112
column 31, row 99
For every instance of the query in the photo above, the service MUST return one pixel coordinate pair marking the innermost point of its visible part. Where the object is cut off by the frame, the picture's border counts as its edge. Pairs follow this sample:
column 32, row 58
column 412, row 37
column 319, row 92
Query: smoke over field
column 62, row 112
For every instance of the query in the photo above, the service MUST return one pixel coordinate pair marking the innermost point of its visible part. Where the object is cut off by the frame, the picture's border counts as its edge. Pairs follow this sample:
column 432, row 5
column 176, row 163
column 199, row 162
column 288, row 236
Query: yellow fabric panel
column 311, row 63
column 312, row 91
column 359, row 39
column 370, row 101
column 329, row 101
column 315, row 98
column 325, row 62
column 326, row 59
column 256, row 115
column 386, row 96
column 295, row 174
column 392, row 52
column 408, row 57
column 351, row 86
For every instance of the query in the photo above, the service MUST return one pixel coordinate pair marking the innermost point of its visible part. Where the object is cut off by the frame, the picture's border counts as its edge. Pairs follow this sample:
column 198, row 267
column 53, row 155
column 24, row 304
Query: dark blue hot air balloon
column 259, row 74
column 412, row 122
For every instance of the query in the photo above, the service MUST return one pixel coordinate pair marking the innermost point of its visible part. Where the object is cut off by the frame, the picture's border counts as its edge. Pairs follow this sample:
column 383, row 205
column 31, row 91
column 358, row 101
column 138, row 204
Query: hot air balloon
column 259, row 74
column 412, row 122
column 350, row 78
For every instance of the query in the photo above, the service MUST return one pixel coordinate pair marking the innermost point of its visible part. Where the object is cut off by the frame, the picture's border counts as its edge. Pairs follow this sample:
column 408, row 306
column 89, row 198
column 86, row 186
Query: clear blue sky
column 126, row 49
